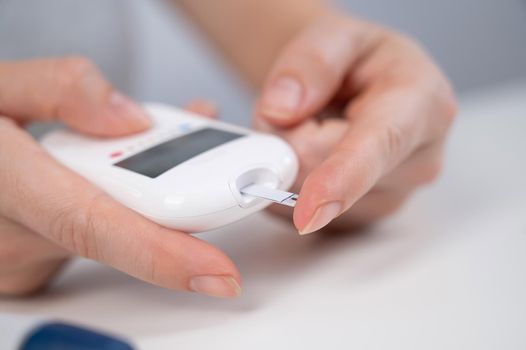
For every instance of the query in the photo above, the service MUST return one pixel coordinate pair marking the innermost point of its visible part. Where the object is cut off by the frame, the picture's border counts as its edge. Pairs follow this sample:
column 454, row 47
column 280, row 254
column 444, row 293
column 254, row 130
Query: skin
column 48, row 213
column 369, row 124
column 364, row 107
column 370, row 112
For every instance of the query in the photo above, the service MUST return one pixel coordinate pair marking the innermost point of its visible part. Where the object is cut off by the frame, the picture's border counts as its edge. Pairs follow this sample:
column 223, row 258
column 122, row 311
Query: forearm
column 250, row 34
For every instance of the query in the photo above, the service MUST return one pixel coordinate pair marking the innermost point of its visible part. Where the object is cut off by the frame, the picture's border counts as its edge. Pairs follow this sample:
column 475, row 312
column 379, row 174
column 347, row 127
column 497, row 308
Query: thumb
column 203, row 107
column 71, row 90
column 310, row 71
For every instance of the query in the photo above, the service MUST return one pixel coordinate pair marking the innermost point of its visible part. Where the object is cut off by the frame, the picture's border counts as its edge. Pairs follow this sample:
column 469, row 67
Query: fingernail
column 282, row 99
column 322, row 216
column 128, row 110
column 216, row 286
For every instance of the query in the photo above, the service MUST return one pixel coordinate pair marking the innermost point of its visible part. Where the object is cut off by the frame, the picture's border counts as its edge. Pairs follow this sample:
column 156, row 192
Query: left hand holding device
column 49, row 213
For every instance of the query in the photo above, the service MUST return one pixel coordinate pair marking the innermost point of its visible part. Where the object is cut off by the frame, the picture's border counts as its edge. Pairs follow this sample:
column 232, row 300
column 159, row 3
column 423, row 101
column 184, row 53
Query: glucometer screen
column 161, row 158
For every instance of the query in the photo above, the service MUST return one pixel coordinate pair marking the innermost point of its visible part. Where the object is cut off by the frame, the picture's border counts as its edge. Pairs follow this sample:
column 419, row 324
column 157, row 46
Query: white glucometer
column 187, row 172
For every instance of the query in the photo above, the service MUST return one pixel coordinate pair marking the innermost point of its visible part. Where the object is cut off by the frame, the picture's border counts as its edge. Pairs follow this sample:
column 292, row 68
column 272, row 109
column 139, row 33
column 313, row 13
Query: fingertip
column 322, row 197
column 185, row 263
column 205, row 268
column 304, row 210
column 321, row 217
column 222, row 286
column 126, row 116
column 300, row 218
column 203, row 107
column 117, row 115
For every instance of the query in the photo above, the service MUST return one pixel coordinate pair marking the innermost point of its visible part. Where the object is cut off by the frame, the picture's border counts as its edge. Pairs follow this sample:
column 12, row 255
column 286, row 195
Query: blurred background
column 150, row 50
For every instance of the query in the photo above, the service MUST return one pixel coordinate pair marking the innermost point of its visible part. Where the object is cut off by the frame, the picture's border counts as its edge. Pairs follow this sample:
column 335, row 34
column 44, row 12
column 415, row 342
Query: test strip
column 271, row 194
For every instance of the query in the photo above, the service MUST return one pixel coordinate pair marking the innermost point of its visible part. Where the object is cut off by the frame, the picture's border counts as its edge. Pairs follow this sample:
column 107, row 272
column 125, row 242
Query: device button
column 116, row 154
column 185, row 127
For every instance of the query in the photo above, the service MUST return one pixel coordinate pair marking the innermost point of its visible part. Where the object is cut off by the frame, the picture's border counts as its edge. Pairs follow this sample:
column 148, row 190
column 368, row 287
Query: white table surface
column 447, row 272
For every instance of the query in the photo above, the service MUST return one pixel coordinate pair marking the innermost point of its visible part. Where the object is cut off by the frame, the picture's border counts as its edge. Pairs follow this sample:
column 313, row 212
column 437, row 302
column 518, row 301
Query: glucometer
column 187, row 172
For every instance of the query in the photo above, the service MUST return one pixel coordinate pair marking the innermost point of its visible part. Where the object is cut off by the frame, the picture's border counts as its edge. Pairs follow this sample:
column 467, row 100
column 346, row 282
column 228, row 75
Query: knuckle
column 393, row 141
column 77, row 66
column 74, row 228
column 72, row 72
column 320, row 60
column 427, row 78
column 151, row 262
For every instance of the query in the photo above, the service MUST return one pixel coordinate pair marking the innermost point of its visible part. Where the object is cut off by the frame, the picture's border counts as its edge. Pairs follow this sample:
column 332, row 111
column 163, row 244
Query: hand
column 48, row 213
column 366, row 110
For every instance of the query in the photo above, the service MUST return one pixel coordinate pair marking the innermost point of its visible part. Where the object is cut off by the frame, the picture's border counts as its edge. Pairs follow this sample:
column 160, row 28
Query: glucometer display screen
column 164, row 156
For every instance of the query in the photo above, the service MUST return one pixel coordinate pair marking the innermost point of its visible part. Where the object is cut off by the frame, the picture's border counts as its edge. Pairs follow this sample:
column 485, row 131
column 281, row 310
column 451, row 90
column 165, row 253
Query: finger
column 376, row 204
column 27, row 260
column 22, row 246
column 393, row 189
column 312, row 142
column 311, row 69
column 72, row 213
column 387, row 123
column 422, row 168
column 203, row 107
column 71, row 90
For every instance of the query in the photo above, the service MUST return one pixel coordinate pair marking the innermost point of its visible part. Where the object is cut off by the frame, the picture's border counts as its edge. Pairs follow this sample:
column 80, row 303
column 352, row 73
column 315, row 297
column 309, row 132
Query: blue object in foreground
column 59, row 336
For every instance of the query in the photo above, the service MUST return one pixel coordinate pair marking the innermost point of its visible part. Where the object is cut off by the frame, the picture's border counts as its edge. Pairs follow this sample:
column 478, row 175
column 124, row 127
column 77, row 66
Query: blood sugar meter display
column 161, row 158
column 187, row 172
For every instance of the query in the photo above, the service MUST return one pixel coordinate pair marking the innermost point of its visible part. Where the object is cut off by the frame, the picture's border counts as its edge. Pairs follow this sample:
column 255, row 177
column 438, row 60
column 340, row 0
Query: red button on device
column 116, row 154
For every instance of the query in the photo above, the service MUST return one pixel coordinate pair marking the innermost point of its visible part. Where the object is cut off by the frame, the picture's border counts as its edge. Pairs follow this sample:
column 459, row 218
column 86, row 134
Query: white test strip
column 271, row 194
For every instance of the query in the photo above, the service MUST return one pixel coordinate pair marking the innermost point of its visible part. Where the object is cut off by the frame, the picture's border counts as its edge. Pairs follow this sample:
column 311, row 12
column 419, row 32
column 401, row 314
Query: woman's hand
column 48, row 213
column 367, row 112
